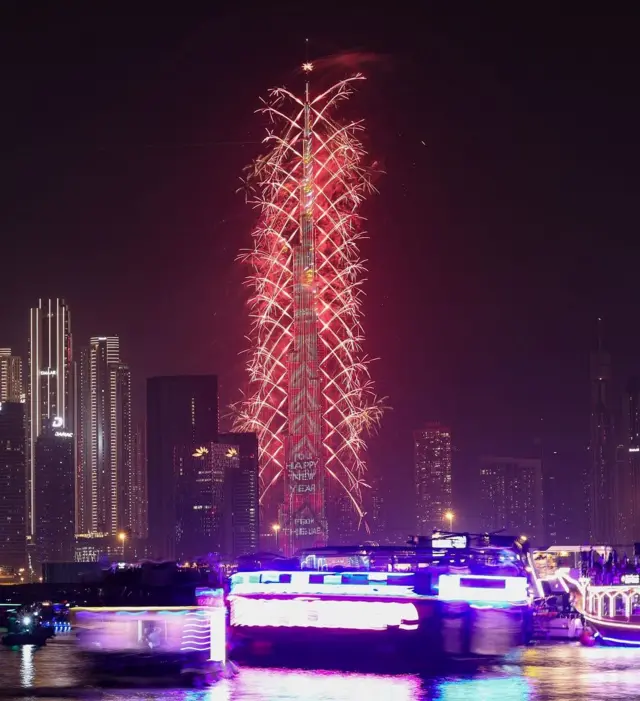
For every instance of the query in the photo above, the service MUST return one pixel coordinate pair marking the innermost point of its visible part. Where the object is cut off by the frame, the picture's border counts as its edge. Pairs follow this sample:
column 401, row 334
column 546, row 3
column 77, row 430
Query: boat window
column 619, row 606
column 606, row 609
column 316, row 579
column 284, row 579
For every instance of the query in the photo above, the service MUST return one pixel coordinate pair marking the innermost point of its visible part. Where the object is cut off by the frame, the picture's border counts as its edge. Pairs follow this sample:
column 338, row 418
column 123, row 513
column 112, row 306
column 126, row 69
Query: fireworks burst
column 306, row 357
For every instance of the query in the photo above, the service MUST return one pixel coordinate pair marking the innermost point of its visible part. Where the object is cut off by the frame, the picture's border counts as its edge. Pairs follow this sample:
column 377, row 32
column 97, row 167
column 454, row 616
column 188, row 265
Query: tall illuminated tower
column 104, row 439
column 49, row 389
column 310, row 395
column 432, row 465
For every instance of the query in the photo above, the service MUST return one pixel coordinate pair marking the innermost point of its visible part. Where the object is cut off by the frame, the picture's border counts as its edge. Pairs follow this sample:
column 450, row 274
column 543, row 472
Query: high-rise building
column 54, row 494
column 121, row 376
column 181, row 411
column 50, row 386
column 104, row 442
column 242, row 504
column 200, row 491
column 601, row 479
column 310, row 398
column 432, row 475
column 217, row 498
column 378, row 510
column 12, row 485
column 563, row 498
column 138, row 492
column 82, row 366
column 11, row 388
column 104, row 356
column 510, row 496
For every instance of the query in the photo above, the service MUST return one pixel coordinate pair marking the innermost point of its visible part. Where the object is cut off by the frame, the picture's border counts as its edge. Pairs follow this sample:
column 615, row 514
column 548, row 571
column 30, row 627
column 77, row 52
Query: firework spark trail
column 339, row 183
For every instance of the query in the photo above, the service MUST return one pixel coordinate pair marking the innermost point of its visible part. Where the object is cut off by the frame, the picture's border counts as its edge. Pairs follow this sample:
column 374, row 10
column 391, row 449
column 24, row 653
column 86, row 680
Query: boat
column 148, row 643
column 555, row 620
column 447, row 596
column 612, row 611
column 605, row 593
column 26, row 629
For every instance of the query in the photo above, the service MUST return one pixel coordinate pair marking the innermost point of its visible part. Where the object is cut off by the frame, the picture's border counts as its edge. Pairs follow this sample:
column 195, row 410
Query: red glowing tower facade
column 310, row 397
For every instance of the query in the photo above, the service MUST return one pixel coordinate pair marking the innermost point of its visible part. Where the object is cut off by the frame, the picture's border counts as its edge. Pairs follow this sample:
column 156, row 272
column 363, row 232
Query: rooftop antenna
column 307, row 66
column 600, row 333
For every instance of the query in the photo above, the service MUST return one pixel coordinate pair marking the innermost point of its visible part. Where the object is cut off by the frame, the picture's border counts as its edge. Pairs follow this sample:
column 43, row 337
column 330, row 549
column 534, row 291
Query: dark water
column 541, row 673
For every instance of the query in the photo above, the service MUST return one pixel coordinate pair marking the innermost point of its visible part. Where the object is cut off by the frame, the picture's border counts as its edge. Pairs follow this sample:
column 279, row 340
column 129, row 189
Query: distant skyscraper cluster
column 203, row 493
column 80, row 478
column 432, row 477
column 510, row 497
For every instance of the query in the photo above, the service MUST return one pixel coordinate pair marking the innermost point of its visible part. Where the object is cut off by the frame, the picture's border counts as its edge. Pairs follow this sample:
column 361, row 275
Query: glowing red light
column 310, row 395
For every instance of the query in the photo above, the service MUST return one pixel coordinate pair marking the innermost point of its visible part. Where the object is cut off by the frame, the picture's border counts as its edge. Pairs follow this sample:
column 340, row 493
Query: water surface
column 542, row 673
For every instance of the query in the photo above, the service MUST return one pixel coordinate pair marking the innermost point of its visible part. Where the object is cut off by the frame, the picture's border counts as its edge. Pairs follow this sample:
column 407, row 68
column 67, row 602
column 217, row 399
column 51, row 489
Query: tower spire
column 307, row 67
column 600, row 334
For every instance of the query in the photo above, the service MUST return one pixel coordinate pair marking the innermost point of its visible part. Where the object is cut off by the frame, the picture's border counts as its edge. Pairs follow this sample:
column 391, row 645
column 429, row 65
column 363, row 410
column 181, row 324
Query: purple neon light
column 315, row 583
column 304, row 612
column 489, row 588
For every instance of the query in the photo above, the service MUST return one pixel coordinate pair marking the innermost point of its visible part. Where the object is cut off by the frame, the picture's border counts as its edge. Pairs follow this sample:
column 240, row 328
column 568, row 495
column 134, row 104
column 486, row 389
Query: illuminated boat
column 613, row 611
column 447, row 597
column 155, row 644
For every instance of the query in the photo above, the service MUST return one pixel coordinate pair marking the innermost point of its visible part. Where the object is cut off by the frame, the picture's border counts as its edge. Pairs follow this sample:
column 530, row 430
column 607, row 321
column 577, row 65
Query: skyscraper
column 54, row 494
column 311, row 397
column 11, row 389
column 200, row 490
column 121, row 375
column 12, row 485
column 138, row 492
column 50, row 386
column 242, row 494
column 510, row 496
column 181, row 410
column 82, row 373
column 104, row 356
column 104, row 443
column 432, row 475
column 601, row 477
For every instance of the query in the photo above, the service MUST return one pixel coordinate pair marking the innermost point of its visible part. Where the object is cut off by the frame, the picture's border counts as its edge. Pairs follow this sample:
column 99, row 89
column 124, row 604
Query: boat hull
column 616, row 634
column 443, row 631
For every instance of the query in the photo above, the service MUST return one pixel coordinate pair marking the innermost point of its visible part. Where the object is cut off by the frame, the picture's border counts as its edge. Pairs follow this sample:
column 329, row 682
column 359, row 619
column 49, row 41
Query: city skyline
column 499, row 236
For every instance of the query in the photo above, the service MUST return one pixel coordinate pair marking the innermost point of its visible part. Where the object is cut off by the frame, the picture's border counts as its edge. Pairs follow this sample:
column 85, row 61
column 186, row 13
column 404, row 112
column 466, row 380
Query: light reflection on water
column 542, row 673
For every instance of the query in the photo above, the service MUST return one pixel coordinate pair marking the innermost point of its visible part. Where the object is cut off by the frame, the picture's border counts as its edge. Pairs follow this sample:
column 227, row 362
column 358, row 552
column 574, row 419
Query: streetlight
column 276, row 529
column 449, row 517
column 122, row 537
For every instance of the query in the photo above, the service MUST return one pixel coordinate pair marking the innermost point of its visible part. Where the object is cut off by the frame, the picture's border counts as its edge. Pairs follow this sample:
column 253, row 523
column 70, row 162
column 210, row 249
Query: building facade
column 11, row 387
column 121, row 377
column 432, row 477
column 138, row 492
column 50, row 383
column 12, row 485
column 83, row 440
column 104, row 441
column 181, row 411
column 54, row 495
column 510, row 498
column 243, row 486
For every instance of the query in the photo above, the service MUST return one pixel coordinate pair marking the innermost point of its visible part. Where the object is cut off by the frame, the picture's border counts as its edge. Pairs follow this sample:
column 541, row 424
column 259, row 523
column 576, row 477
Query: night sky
column 505, row 225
